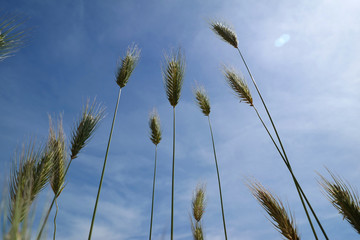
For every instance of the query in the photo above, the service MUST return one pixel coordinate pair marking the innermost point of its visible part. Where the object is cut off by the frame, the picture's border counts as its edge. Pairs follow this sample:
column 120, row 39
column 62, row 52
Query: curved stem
column 297, row 185
column 218, row 175
column 103, row 170
column 153, row 194
column 172, row 182
column 278, row 137
column 57, row 208
column 46, row 218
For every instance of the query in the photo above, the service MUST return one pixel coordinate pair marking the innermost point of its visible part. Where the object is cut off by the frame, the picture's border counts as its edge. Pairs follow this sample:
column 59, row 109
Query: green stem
column 57, row 208
column 297, row 185
column 173, row 178
column 218, row 175
column 278, row 137
column 153, row 194
column 103, row 170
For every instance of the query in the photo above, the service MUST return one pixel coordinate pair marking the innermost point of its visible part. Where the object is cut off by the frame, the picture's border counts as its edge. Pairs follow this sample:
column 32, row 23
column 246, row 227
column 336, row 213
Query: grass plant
column 240, row 87
column 282, row 221
column 203, row 102
column 126, row 67
column 155, row 137
column 173, row 74
column 11, row 35
column 344, row 198
column 198, row 209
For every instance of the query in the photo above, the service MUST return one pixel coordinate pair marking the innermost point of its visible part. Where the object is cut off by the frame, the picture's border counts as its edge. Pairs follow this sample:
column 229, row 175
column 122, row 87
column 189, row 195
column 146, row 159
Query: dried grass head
column 173, row 73
column 154, row 124
column 283, row 222
column 239, row 85
column 225, row 32
column 85, row 127
column 199, row 203
column 202, row 100
column 127, row 66
column 344, row 198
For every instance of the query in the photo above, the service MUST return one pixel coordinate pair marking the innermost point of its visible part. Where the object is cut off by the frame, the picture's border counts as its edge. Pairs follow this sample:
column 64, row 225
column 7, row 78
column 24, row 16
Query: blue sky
column 304, row 56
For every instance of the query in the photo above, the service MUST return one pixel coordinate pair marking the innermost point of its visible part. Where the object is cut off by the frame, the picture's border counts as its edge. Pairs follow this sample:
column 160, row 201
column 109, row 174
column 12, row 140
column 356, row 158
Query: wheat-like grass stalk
column 173, row 74
column 198, row 209
column 11, row 36
column 283, row 222
column 128, row 64
column 344, row 198
column 155, row 137
column 224, row 33
column 83, row 130
column 203, row 102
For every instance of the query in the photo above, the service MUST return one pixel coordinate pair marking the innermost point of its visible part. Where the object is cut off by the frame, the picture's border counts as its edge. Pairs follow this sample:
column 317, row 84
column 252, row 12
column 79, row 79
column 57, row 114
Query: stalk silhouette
column 173, row 74
column 155, row 137
column 229, row 36
column 127, row 66
column 203, row 102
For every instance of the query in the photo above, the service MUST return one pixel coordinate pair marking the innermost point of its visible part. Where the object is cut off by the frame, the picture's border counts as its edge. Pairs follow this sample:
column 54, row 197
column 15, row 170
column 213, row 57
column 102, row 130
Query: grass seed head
column 173, row 74
column 154, row 124
column 225, row 32
column 198, row 203
column 239, row 86
column 283, row 223
column 85, row 127
column 202, row 100
column 127, row 66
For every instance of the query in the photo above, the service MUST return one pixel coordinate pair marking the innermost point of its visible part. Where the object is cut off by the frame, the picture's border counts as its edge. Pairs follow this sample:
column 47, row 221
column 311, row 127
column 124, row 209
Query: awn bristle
column 85, row 127
column 225, row 32
column 239, row 85
column 127, row 66
column 284, row 223
column 154, row 124
column 344, row 198
column 202, row 100
column 173, row 74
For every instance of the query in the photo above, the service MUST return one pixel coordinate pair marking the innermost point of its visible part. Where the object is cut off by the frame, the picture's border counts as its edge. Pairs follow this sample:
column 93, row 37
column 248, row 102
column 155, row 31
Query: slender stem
column 153, row 194
column 173, row 178
column 278, row 137
column 297, row 185
column 103, row 170
column 218, row 175
column 57, row 209
column 46, row 218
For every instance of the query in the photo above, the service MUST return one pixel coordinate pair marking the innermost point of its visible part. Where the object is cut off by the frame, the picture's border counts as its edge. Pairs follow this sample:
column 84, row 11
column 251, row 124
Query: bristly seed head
column 239, row 85
column 154, row 124
column 225, row 32
column 127, row 66
column 173, row 74
column 198, row 203
column 202, row 100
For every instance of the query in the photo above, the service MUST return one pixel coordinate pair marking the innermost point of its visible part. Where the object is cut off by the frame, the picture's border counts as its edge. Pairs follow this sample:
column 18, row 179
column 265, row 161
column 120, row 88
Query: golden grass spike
column 344, row 198
column 85, row 127
column 281, row 220
column 173, row 74
column 202, row 100
column 198, row 203
column 127, row 66
column 154, row 124
column 56, row 147
column 239, row 85
column 225, row 32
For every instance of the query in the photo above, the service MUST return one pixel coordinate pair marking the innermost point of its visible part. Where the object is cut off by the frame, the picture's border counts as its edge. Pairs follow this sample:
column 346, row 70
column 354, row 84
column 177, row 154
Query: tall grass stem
column 173, row 180
column 103, row 170
column 218, row 175
column 57, row 209
column 153, row 194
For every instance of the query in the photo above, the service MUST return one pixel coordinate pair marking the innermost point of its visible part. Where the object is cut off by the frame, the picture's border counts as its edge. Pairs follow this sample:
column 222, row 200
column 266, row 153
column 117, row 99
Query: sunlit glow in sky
column 282, row 40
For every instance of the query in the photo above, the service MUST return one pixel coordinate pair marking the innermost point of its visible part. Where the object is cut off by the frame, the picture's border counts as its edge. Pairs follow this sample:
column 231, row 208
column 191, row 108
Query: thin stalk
column 103, row 170
column 153, row 193
column 278, row 137
column 57, row 208
column 218, row 175
column 46, row 218
column 297, row 185
column 173, row 178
